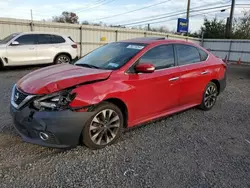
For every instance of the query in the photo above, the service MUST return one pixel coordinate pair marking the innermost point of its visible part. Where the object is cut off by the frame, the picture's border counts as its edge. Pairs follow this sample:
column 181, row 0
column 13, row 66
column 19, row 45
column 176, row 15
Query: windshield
column 111, row 56
column 8, row 38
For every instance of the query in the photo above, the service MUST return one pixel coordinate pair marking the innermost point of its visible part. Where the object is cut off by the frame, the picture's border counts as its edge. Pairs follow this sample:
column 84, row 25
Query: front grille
column 19, row 96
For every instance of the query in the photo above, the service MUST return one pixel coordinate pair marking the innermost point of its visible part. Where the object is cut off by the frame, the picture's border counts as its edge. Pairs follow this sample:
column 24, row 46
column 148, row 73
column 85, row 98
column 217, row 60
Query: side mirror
column 14, row 43
column 145, row 68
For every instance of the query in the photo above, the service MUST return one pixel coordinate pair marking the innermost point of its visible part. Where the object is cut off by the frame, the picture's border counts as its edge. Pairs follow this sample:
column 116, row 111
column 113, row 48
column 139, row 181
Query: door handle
column 204, row 72
column 31, row 48
column 173, row 79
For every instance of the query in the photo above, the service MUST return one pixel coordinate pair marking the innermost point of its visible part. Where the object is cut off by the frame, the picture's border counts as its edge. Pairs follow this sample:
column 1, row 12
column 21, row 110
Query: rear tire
column 209, row 97
column 104, row 127
column 62, row 59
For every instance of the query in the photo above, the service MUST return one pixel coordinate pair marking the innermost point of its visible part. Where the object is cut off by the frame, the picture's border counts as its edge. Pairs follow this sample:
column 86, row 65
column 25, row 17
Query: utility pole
column 188, row 10
column 230, row 21
column 31, row 16
column 148, row 27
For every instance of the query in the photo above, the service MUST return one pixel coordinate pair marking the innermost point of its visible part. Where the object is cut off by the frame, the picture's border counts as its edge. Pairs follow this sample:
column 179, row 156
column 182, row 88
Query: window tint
column 203, row 54
column 160, row 56
column 44, row 39
column 187, row 54
column 57, row 39
column 27, row 39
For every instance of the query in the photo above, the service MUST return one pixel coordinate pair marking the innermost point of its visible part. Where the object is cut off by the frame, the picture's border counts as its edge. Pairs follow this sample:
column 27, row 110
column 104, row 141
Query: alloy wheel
column 104, row 127
column 210, row 96
column 63, row 59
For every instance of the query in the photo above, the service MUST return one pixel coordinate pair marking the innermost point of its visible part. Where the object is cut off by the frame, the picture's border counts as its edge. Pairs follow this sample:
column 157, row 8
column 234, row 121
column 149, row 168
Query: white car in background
column 30, row 48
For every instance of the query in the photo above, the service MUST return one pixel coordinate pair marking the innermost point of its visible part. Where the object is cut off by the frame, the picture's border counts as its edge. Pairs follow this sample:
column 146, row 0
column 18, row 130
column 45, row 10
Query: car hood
column 58, row 77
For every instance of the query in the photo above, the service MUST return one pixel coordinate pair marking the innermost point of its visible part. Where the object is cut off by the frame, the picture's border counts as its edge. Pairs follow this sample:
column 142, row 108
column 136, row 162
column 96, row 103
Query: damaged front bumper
column 59, row 129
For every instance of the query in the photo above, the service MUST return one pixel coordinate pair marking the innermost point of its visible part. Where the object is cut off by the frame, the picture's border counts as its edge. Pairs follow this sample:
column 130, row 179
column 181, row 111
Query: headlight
column 54, row 101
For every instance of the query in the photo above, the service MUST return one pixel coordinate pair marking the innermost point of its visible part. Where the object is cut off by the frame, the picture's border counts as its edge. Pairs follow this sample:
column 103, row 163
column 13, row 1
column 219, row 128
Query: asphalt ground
column 190, row 149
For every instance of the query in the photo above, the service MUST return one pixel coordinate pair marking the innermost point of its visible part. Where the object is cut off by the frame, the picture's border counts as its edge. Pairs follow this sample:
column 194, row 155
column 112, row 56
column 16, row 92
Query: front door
column 25, row 52
column 156, row 92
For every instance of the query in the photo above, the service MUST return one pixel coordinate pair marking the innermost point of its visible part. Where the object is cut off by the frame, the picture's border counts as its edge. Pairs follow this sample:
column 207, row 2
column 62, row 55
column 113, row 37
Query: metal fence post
column 116, row 35
column 31, row 26
column 81, row 41
column 202, row 39
column 230, row 47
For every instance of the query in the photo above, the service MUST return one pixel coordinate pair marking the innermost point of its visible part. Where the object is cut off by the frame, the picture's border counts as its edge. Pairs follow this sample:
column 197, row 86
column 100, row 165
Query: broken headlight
column 54, row 101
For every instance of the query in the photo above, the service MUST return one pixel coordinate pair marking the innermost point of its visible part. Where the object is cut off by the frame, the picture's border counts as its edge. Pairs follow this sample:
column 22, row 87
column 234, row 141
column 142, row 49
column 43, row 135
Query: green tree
column 242, row 27
column 214, row 28
column 85, row 22
column 195, row 34
column 66, row 17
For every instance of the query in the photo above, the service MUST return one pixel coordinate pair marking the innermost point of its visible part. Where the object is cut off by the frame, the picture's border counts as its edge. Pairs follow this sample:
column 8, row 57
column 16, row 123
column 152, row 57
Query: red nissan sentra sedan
column 119, row 85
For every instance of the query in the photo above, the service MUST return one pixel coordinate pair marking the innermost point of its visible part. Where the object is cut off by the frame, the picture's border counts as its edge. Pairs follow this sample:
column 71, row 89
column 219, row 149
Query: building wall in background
column 90, row 37
column 233, row 50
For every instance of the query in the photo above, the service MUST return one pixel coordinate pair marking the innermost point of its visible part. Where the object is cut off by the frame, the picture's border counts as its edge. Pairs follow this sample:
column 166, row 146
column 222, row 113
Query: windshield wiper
column 87, row 65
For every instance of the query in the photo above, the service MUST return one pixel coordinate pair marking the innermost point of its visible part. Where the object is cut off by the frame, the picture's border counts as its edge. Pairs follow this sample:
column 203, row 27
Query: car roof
column 159, row 40
column 41, row 32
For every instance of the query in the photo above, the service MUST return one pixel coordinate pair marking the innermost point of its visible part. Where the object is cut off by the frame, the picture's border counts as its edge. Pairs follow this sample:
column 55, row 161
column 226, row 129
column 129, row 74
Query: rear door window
column 203, row 54
column 187, row 54
column 44, row 39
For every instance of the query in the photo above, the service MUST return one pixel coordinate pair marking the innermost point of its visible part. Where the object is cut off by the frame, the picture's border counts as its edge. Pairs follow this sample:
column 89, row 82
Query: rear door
column 48, row 47
column 195, row 73
column 156, row 92
column 24, row 53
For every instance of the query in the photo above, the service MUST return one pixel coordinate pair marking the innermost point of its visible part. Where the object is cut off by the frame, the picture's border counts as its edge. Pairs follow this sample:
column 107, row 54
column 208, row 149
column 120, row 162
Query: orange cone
column 239, row 61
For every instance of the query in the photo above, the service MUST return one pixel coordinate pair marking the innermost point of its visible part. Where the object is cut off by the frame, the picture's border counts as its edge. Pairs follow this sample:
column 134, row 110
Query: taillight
column 74, row 45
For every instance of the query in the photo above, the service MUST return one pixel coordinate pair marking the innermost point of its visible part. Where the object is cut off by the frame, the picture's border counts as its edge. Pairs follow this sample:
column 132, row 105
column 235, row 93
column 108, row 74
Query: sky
column 95, row 10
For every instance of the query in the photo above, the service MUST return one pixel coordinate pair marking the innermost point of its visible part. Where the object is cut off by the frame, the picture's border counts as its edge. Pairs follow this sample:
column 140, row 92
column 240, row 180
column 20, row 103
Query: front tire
column 105, row 126
column 209, row 97
column 62, row 59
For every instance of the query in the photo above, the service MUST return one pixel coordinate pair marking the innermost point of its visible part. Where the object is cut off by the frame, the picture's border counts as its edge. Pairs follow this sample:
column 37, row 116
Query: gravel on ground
column 190, row 149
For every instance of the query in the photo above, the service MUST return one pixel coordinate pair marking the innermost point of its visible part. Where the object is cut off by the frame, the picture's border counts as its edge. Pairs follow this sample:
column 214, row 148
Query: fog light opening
column 43, row 136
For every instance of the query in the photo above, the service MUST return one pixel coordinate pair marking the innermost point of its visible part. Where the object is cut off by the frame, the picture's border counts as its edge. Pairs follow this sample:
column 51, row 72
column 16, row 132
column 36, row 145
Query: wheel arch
column 62, row 53
column 1, row 63
column 122, row 106
column 217, row 83
column 115, row 101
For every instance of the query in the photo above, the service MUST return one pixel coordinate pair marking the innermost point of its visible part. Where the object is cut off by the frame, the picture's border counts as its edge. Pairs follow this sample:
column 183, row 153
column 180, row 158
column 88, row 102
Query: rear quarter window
column 57, row 39
column 203, row 54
